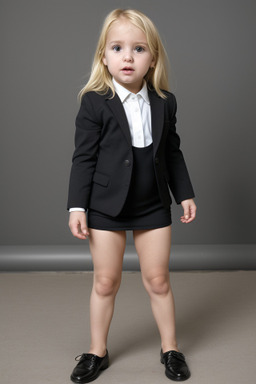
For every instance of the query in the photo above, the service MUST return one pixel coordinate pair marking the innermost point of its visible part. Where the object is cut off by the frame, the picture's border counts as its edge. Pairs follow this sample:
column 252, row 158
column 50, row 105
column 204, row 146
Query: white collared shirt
column 138, row 113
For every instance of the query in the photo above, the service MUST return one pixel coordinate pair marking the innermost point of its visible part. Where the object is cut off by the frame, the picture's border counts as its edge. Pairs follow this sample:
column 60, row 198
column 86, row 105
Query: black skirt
column 143, row 208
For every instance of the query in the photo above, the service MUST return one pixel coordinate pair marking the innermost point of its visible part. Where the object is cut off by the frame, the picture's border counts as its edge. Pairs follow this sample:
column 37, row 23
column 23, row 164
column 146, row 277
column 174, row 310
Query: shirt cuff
column 77, row 210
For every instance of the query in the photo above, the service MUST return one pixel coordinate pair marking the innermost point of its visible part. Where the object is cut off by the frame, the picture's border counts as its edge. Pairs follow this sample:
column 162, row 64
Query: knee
column 158, row 285
column 105, row 286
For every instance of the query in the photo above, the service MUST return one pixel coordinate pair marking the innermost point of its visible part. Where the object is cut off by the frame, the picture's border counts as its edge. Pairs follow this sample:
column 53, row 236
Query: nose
column 128, row 56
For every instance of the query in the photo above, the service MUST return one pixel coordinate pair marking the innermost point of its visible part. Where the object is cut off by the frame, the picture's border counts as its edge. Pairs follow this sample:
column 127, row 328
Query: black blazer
column 103, row 158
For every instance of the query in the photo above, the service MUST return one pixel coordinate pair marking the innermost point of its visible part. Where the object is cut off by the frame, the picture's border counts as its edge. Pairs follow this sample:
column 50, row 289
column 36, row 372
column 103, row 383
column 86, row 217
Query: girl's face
column 127, row 55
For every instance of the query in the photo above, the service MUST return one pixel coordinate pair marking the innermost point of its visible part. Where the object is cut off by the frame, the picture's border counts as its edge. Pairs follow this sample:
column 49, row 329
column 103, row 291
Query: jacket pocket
column 100, row 179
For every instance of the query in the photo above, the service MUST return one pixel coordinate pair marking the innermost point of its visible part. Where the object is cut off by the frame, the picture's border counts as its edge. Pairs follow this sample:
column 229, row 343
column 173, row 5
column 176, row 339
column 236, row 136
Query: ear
column 153, row 64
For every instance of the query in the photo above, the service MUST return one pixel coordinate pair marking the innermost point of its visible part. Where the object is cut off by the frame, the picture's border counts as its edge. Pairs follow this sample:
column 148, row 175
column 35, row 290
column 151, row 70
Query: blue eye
column 139, row 49
column 116, row 48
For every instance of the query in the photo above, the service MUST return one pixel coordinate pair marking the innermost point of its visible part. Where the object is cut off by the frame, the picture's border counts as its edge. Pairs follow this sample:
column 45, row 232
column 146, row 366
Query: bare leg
column 153, row 247
column 107, row 249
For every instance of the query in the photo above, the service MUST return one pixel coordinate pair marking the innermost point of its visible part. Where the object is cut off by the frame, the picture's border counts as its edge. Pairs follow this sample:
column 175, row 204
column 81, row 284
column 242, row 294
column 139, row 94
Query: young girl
column 127, row 158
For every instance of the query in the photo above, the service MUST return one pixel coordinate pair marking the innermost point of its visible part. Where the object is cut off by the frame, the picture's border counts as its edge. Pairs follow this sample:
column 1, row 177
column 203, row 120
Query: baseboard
column 77, row 258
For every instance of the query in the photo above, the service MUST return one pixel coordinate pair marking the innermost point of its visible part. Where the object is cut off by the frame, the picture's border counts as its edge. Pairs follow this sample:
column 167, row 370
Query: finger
column 183, row 219
column 186, row 213
column 83, row 226
column 191, row 217
column 84, row 230
column 193, row 212
column 80, row 236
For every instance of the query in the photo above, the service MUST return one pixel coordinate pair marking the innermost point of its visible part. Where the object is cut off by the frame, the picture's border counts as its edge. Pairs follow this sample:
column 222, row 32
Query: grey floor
column 45, row 324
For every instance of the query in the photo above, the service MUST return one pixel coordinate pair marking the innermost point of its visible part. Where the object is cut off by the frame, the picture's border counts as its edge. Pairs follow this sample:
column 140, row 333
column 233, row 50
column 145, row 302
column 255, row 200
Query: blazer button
column 156, row 160
column 127, row 163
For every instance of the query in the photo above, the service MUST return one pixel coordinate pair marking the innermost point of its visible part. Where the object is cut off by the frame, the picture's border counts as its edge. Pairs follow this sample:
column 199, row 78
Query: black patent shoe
column 89, row 367
column 175, row 365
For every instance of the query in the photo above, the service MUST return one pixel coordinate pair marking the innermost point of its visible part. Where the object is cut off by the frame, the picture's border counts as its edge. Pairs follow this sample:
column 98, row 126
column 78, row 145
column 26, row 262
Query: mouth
column 127, row 70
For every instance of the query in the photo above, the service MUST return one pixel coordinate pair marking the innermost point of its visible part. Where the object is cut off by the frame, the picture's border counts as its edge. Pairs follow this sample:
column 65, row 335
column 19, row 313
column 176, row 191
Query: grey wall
column 46, row 53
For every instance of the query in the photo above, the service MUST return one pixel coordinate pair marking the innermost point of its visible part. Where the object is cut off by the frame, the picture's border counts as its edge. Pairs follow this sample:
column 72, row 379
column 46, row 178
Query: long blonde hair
column 100, row 79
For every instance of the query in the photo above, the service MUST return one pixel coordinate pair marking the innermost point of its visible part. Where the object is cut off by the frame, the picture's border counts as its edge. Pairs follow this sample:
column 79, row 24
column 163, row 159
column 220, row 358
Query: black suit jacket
column 103, row 158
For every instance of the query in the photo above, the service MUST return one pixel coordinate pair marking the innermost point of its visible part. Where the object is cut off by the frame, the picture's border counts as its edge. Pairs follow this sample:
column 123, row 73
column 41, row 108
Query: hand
column 77, row 225
column 189, row 211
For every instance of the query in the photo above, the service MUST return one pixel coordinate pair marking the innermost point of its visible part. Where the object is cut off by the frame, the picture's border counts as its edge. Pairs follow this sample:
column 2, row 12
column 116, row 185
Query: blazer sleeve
column 87, row 135
column 178, row 176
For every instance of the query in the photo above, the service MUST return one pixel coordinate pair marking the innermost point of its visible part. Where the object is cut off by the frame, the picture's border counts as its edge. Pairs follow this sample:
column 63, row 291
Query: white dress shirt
column 138, row 113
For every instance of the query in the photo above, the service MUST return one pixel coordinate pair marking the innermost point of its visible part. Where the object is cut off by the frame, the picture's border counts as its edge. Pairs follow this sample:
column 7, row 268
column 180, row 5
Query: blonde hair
column 100, row 79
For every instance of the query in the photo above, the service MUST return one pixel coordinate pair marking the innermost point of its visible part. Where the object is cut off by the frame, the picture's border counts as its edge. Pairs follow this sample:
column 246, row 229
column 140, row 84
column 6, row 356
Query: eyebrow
column 121, row 41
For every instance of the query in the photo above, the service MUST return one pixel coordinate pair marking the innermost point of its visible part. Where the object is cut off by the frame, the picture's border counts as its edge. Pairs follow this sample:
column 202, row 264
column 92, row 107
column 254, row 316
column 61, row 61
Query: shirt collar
column 123, row 93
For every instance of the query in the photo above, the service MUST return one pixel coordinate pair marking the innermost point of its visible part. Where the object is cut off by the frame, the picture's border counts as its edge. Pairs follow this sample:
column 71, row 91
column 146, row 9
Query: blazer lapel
column 117, row 108
column 157, row 117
